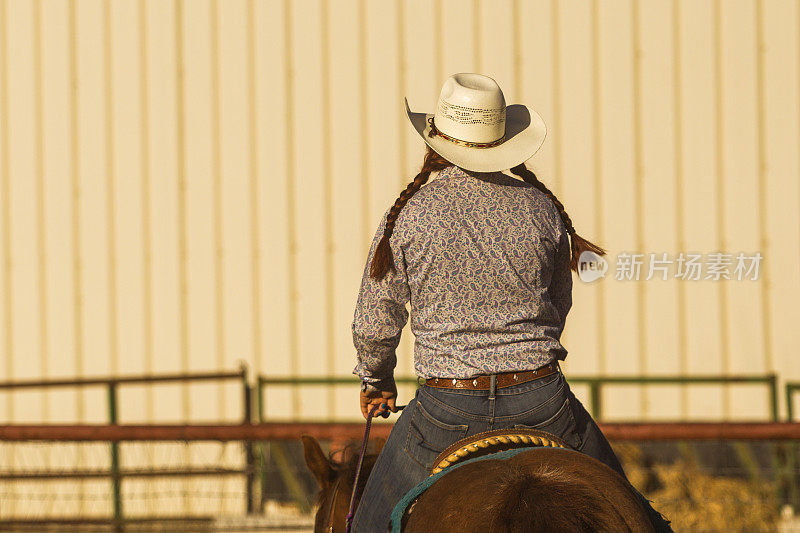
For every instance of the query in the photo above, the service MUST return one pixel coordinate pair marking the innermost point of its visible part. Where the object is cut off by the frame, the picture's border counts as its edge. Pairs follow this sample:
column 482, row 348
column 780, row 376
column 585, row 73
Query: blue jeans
column 436, row 418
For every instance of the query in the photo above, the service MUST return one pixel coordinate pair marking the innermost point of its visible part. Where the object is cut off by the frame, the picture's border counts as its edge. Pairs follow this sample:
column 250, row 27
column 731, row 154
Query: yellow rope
column 473, row 447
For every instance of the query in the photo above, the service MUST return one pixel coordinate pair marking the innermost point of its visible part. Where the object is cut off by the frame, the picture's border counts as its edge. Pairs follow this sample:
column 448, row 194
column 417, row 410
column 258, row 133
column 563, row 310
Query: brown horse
column 545, row 489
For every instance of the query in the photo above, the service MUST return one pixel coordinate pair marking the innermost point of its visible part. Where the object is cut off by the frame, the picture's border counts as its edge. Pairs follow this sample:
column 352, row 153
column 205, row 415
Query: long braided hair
column 382, row 261
column 578, row 243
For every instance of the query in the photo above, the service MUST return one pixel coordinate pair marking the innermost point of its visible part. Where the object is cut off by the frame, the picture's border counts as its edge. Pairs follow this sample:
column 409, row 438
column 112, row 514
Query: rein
column 332, row 506
column 351, row 512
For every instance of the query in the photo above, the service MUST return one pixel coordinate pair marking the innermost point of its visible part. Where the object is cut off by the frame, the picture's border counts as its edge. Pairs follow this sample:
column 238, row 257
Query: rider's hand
column 387, row 399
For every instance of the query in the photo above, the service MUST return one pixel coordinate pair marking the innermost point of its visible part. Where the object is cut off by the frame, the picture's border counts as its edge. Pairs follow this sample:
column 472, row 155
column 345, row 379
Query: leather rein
column 351, row 511
column 332, row 507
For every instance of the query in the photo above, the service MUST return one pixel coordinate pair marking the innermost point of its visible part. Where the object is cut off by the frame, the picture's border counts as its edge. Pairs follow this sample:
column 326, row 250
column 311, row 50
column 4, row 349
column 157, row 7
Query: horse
column 539, row 489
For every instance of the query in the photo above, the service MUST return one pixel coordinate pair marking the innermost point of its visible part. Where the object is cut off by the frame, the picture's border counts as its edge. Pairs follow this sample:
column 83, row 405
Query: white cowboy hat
column 475, row 130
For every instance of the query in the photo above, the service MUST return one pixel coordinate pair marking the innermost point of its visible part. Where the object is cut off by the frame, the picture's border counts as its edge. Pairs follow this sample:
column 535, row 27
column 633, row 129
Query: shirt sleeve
column 380, row 316
column 561, row 283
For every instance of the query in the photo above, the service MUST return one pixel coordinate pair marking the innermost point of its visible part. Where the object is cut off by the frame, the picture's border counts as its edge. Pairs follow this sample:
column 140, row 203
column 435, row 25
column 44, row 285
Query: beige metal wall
column 188, row 184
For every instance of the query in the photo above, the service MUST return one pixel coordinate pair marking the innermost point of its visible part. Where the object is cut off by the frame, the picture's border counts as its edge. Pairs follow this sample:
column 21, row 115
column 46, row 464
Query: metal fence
column 112, row 385
column 267, row 454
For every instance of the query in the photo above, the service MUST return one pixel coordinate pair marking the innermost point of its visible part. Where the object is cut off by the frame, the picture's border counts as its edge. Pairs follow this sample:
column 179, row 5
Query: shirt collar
column 458, row 172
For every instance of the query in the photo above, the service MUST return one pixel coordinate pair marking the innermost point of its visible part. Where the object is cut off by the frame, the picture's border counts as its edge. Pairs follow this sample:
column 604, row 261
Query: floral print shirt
column 483, row 261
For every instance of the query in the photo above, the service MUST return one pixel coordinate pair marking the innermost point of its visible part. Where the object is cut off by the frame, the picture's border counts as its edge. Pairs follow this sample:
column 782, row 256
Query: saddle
column 496, row 440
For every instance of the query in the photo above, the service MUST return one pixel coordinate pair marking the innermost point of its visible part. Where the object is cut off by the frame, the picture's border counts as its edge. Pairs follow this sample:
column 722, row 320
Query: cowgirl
column 484, row 260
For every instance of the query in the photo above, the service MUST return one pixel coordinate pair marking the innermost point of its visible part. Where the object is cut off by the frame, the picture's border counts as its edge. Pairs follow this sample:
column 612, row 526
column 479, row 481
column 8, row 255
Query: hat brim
column 525, row 133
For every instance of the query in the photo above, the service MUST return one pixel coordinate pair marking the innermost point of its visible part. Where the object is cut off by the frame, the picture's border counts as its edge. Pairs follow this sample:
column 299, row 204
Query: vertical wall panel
column 6, row 332
column 200, row 213
column 459, row 32
column 182, row 181
column 273, row 79
column 638, row 189
column 22, row 202
column 143, row 108
column 254, row 184
column 422, row 57
column 704, row 320
column 658, row 201
column 92, row 196
column 164, row 174
column 616, row 196
column 235, row 177
column 739, row 199
column 128, row 198
column 111, row 189
column 679, row 187
column 39, row 179
column 308, row 200
column 780, row 184
column 495, row 44
column 58, row 208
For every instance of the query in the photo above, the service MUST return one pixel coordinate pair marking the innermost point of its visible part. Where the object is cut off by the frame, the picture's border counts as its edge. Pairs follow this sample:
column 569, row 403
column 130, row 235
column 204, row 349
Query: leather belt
column 505, row 379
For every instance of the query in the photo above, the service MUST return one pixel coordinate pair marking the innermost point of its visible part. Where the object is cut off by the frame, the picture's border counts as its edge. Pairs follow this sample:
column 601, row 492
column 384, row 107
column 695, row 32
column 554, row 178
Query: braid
column 578, row 243
column 382, row 260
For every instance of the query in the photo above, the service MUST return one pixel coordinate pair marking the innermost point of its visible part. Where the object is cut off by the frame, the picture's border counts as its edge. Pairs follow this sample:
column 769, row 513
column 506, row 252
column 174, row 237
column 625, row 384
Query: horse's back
column 544, row 489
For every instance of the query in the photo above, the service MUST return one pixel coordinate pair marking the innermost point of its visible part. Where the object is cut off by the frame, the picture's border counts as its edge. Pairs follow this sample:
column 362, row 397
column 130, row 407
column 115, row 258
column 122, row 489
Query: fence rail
column 595, row 383
column 327, row 430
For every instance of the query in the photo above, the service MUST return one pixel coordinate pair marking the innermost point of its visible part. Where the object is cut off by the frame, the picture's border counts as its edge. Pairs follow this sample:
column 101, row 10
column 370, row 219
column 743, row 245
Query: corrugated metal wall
column 184, row 185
